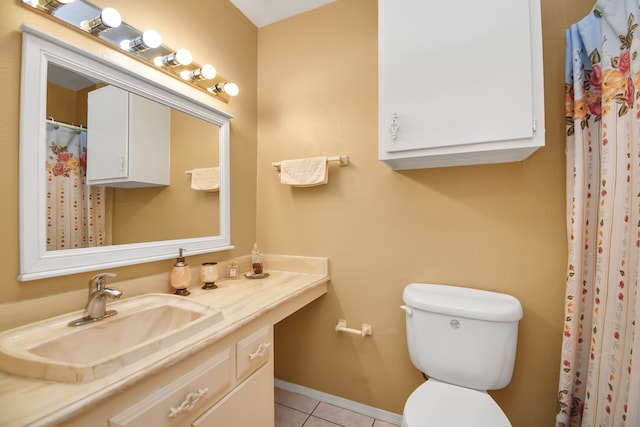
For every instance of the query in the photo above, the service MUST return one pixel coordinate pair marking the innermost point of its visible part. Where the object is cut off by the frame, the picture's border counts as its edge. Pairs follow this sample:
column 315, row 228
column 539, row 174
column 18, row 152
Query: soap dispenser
column 255, row 260
column 181, row 275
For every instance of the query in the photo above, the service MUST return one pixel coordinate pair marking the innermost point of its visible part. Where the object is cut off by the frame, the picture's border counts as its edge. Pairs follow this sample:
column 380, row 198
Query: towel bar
column 344, row 161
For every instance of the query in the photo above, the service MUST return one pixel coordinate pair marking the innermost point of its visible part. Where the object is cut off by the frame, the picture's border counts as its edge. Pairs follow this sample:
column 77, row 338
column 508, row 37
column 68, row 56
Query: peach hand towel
column 304, row 172
column 205, row 179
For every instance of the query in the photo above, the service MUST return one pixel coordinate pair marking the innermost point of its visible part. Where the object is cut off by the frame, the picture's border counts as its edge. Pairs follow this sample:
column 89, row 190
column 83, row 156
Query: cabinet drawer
column 171, row 404
column 253, row 351
column 249, row 405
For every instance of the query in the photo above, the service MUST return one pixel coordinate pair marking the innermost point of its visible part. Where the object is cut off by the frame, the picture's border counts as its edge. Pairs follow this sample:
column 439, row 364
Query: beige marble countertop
column 34, row 402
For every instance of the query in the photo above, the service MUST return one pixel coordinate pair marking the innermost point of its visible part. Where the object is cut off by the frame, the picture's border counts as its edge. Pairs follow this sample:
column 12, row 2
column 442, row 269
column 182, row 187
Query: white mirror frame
column 40, row 48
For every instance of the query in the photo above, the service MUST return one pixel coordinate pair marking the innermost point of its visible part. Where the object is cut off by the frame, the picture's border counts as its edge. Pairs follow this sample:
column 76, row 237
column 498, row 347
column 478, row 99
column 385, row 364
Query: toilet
column 464, row 340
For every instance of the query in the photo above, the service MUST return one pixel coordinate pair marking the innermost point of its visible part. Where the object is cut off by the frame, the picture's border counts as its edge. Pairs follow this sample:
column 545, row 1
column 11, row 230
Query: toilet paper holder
column 342, row 327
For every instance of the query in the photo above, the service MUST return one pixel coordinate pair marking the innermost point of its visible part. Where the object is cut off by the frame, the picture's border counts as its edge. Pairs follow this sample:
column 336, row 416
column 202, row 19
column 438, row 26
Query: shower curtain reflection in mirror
column 76, row 216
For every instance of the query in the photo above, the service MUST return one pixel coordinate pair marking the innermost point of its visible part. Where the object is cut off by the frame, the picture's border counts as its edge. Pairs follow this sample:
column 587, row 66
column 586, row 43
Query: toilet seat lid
column 444, row 405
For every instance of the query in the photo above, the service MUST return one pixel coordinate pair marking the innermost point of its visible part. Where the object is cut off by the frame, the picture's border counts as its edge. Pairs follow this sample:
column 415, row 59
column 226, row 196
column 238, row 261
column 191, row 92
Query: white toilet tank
column 462, row 336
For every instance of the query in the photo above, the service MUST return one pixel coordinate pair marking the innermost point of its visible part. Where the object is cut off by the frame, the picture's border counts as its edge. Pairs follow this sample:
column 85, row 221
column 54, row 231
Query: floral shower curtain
column 599, row 385
column 75, row 211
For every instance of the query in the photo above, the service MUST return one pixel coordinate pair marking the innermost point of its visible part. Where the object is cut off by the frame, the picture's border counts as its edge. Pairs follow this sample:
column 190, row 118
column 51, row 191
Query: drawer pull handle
column 189, row 402
column 262, row 348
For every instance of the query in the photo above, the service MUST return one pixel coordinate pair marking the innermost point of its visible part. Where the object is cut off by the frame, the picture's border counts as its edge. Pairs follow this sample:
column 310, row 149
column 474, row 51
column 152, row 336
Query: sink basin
column 52, row 350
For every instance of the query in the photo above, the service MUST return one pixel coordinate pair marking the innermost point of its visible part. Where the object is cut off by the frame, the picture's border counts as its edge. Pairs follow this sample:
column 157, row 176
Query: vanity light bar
column 145, row 46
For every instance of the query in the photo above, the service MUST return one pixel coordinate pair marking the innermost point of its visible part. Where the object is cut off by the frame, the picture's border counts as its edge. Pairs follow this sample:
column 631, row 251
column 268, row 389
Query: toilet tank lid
column 465, row 302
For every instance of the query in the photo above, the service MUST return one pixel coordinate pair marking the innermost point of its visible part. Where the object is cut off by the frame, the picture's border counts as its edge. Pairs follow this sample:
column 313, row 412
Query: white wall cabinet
column 128, row 140
column 459, row 82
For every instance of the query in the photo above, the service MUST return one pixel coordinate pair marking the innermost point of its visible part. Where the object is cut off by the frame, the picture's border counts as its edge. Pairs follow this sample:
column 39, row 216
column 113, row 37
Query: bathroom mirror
column 143, row 224
column 130, row 214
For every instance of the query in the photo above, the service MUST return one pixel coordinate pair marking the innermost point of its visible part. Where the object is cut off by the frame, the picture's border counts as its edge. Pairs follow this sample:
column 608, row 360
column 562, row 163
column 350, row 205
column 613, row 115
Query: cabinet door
column 150, row 141
column 455, row 74
column 108, row 134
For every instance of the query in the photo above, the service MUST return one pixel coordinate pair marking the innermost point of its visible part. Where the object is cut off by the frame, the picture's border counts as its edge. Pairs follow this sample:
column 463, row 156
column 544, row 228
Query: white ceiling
column 265, row 12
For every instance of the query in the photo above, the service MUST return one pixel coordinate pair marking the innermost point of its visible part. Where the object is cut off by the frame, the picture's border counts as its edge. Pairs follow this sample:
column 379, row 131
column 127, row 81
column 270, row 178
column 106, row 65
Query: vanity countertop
column 292, row 283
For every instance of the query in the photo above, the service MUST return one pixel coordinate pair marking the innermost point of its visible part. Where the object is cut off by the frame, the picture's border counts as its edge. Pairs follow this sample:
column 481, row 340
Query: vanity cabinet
column 229, row 383
column 128, row 139
column 459, row 82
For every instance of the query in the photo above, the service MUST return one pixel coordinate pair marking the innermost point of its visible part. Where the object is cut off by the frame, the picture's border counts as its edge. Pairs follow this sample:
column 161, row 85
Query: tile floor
column 294, row 410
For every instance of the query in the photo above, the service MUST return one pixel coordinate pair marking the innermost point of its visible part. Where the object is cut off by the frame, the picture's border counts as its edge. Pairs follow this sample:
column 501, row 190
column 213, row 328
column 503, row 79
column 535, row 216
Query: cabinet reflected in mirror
column 124, row 215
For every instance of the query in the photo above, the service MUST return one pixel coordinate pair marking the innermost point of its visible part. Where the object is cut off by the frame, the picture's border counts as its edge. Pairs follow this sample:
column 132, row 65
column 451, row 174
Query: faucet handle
column 98, row 281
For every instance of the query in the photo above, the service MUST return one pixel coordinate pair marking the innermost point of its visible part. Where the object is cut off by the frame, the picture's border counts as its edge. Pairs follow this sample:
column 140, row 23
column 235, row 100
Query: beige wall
column 497, row 227
column 216, row 32
column 67, row 106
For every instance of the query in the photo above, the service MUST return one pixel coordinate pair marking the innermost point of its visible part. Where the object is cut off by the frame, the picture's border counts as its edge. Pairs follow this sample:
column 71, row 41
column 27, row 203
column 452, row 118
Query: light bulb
column 231, row 89
column 151, row 39
column 206, row 72
column 180, row 57
column 183, row 57
column 109, row 18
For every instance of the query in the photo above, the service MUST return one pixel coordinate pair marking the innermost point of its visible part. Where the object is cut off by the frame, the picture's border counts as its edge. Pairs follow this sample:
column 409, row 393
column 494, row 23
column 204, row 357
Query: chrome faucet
column 96, row 308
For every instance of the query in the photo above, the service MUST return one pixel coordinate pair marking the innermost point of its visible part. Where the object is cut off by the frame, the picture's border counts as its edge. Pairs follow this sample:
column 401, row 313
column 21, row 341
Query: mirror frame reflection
column 38, row 50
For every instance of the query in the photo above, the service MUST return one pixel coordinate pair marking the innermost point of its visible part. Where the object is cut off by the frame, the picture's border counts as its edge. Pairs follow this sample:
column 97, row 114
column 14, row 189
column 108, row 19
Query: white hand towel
column 304, row 172
column 205, row 179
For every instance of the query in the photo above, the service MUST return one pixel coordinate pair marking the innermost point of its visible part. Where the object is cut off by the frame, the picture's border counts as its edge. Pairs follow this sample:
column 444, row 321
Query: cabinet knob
column 394, row 126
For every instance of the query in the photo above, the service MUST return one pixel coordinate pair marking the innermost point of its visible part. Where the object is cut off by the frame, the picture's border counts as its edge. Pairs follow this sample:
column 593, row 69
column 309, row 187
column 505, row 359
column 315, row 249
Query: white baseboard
column 370, row 411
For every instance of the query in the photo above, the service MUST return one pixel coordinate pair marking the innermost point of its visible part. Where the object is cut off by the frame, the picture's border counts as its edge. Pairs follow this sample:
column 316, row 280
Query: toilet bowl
column 465, row 340
column 440, row 404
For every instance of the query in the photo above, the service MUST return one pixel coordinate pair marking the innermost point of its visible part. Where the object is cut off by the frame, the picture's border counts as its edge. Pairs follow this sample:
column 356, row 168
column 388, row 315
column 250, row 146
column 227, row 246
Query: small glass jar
column 209, row 275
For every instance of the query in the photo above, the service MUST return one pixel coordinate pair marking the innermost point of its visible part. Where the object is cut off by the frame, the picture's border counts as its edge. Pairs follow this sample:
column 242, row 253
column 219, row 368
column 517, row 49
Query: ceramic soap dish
column 252, row 275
